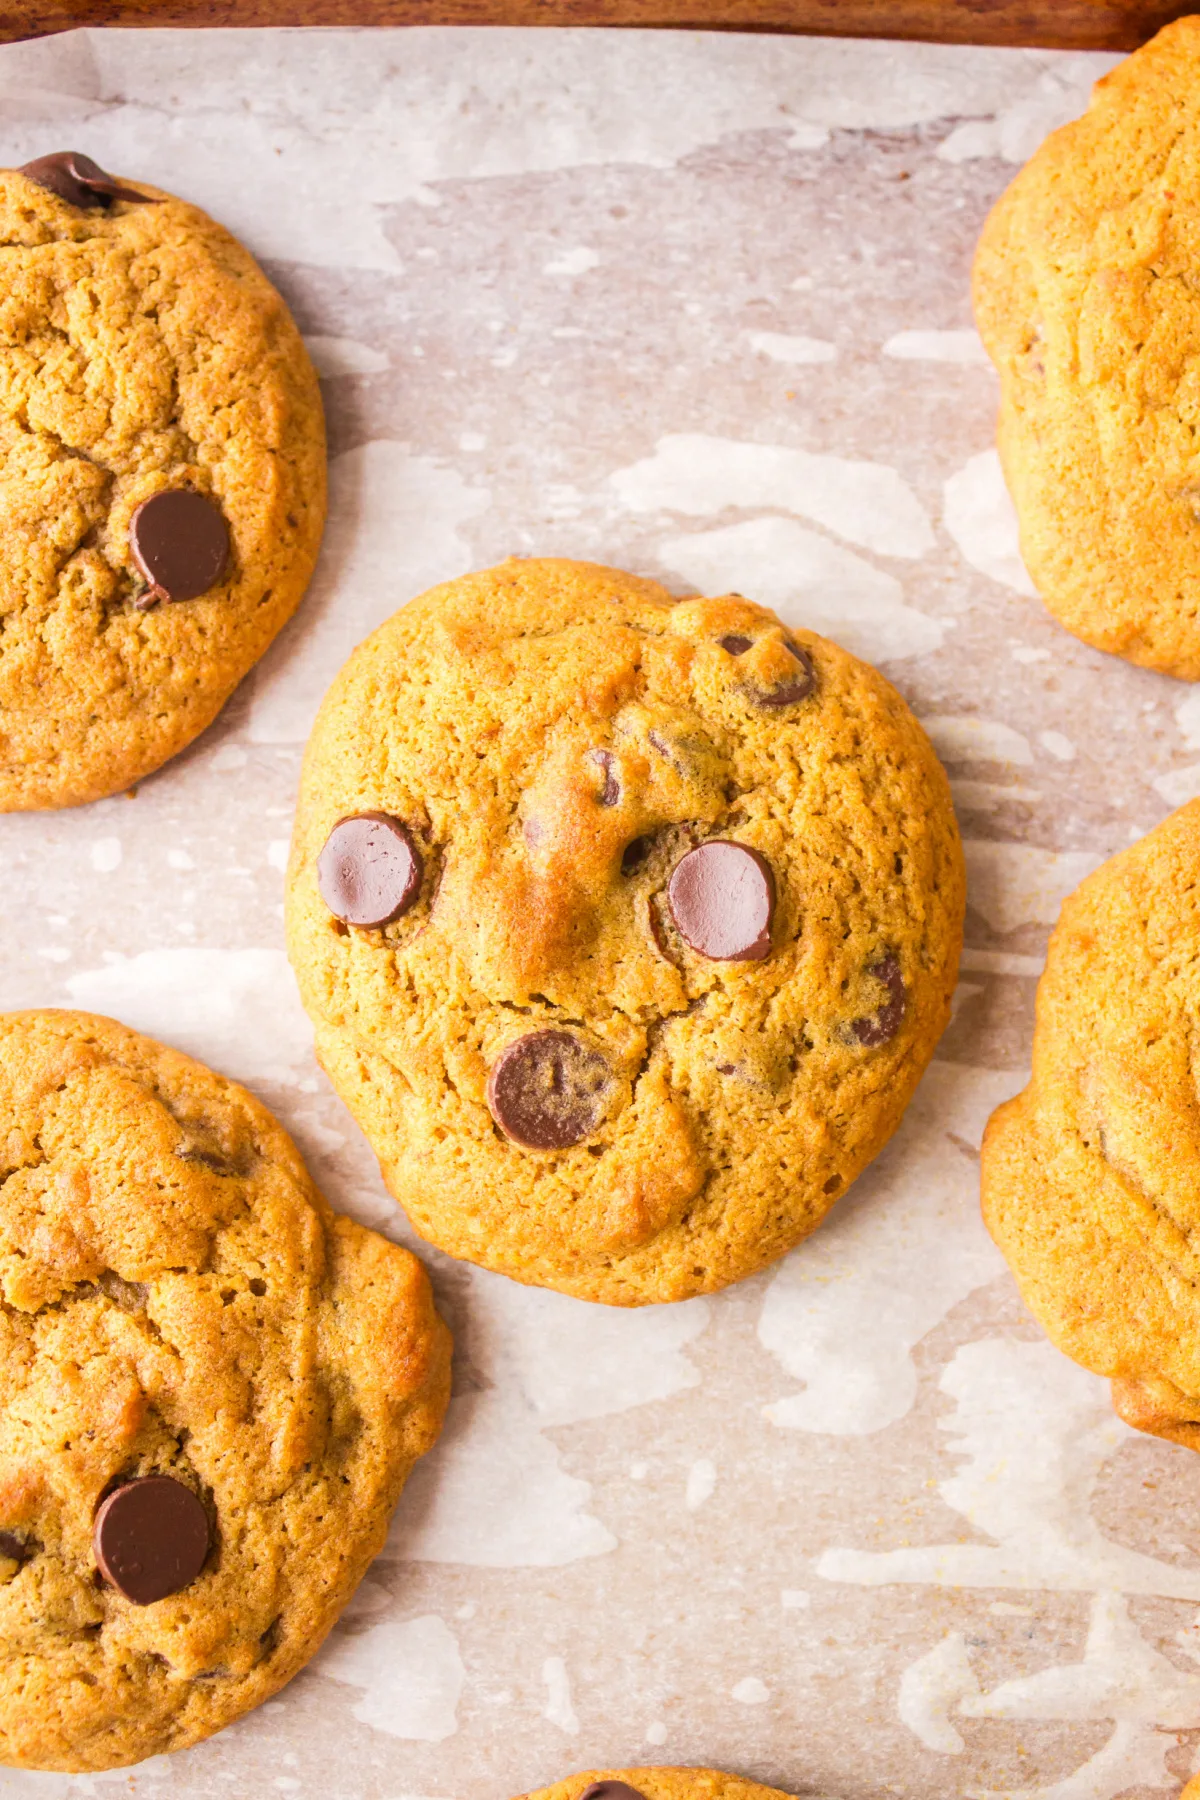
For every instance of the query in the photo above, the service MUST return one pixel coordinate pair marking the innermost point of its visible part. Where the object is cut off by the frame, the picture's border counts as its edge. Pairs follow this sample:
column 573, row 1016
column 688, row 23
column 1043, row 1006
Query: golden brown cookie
column 211, row 1393
column 1091, row 1176
column 162, row 477
column 626, row 926
column 1087, row 301
column 656, row 1784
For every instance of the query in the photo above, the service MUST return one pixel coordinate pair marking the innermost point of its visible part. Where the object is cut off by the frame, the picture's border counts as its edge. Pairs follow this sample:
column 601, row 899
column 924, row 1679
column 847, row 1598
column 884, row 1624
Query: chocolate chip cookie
column 211, row 1393
column 656, row 1784
column 162, row 477
column 1090, row 1175
column 626, row 926
column 1086, row 298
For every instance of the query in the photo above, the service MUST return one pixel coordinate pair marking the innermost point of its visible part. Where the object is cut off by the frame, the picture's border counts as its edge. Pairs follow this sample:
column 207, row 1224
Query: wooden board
column 1068, row 24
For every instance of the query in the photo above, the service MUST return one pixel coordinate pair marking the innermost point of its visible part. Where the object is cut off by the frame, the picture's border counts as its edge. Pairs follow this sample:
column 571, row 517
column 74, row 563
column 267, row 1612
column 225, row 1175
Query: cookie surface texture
column 560, row 1082
column 1086, row 299
column 211, row 1392
column 1090, row 1175
column 143, row 354
column 656, row 1784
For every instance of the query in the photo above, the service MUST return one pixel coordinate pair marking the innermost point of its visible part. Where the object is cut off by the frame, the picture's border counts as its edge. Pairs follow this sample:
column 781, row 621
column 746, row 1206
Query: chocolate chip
column 611, row 1790
column 722, row 898
column 180, row 542
column 881, row 1026
column 15, row 1549
column 736, row 644
column 787, row 693
column 611, row 791
column 635, row 853
column 150, row 1538
column 369, row 871
column 547, row 1091
column 78, row 180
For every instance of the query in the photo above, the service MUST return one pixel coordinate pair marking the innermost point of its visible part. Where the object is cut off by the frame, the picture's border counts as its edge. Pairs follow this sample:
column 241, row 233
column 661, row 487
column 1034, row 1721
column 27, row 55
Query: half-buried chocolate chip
column 180, row 542
column 611, row 1790
column 78, row 180
column 735, row 643
column 547, row 1091
column 881, row 1026
column 722, row 899
column 790, row 690
column 369, row 870
column 150, row 1538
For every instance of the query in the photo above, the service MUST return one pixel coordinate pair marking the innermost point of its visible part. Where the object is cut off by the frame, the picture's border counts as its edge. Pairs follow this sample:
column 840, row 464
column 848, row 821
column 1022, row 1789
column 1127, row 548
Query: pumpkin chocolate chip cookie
column 162, row 477
column 211, row 1393
column 1087, row 301
column 627, row 926
column 657, row 1784
column 1090, row 1174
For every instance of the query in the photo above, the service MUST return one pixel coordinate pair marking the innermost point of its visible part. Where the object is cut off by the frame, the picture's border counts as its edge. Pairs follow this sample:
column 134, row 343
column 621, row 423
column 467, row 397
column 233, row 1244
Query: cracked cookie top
column 1087, row 298
column 626, row 925
column 1091, row 1176
column 211, row 1392
column 656, row 1784
column 162, row 479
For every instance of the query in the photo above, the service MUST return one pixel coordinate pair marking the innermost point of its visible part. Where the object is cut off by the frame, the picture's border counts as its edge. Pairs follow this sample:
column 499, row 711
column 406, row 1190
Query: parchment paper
column 696, row 306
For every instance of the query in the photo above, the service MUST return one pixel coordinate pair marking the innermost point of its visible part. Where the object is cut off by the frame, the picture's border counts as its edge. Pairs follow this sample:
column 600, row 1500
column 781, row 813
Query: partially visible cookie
column 211, row 1393
column 627, row 926
column 656, row 1784
column 162, row 477
column 1087, row 301
column 1091, row 1176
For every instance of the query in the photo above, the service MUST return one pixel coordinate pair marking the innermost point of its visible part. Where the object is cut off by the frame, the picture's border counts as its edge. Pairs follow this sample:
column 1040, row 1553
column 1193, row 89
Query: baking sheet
column 695, row 306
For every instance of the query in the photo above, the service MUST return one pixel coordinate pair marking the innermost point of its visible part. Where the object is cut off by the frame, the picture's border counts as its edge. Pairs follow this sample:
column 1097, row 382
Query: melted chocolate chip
column 547, row 1091
column 722, row 898
column 787, row 693
column 735, row 643
column 881, row 1026
column 611, row 1790
column 180, row 542
column 15, row 1549
column 610, row 793
column 150, row 1538
column 78, row 180
column 369, row 871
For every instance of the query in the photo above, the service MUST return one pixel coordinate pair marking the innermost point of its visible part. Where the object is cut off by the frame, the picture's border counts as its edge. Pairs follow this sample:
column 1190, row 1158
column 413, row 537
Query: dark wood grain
column 1068, row 24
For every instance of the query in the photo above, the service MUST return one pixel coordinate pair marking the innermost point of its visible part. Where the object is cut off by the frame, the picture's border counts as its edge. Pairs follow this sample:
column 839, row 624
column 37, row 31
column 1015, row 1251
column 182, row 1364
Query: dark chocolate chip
column 736, row 644
column 635, row 853
column 14, row 1548
column 150, row 1538
column 78, row 180
column 787, row 693
column 610, row 793
column 722, row 898
column 180, row 542
column 547, row 1091
column 369, row 871
column 611, row 1790
column 881, row 1026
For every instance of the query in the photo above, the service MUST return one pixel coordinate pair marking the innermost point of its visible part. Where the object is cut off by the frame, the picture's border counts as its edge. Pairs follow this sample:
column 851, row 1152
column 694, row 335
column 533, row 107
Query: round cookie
column 211, row 1393
column 1091, row 1176
column 1086, row 300
column 162, row 477
column 673, row 901
column 656, row 1784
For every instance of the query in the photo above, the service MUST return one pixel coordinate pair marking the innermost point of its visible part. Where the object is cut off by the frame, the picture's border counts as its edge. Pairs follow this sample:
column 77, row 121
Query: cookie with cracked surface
column 1086, row 298
column 656, row 1784
column 212, row 1390
column 1090, row 1175
column 162, row 477
column 626, row 925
